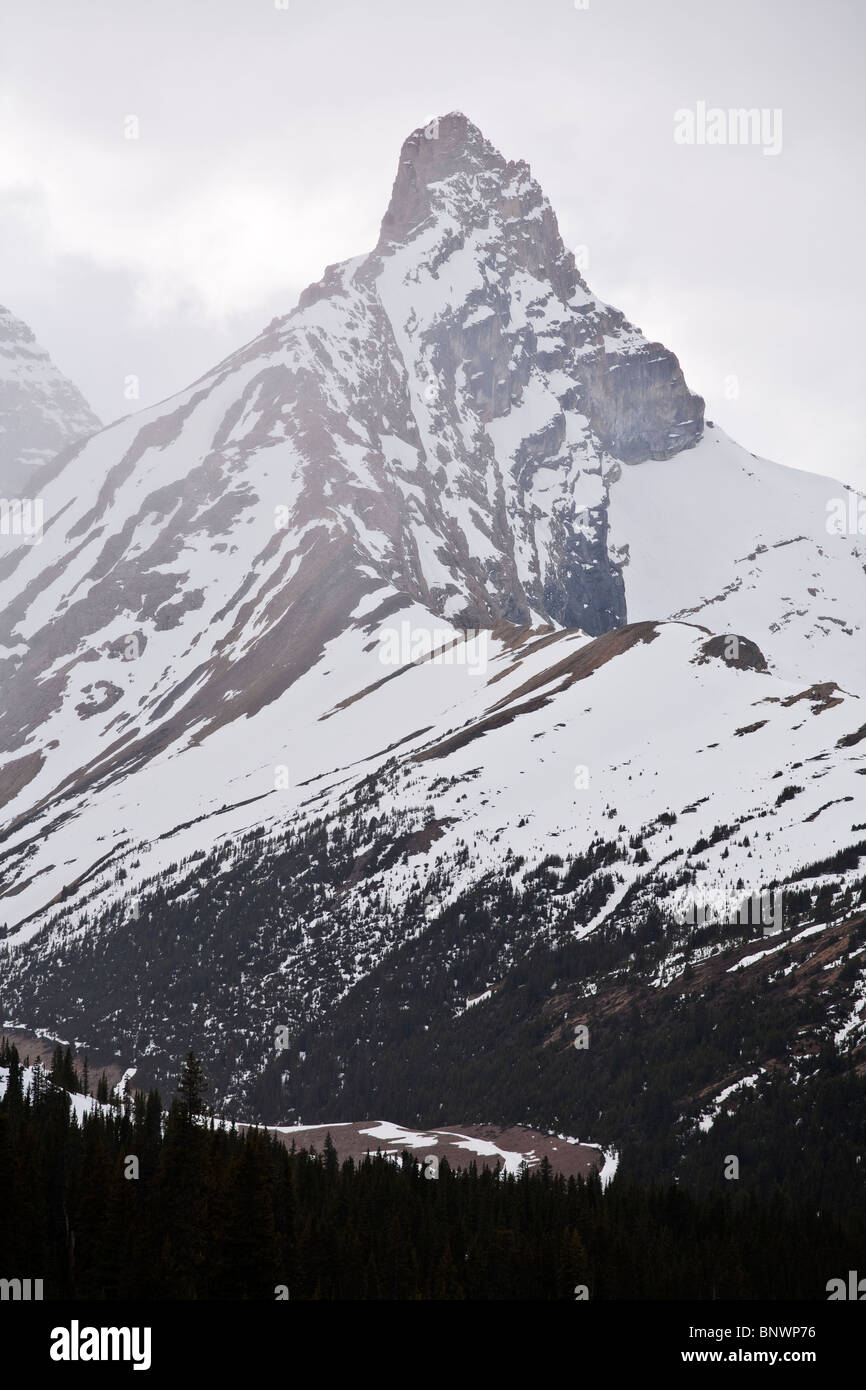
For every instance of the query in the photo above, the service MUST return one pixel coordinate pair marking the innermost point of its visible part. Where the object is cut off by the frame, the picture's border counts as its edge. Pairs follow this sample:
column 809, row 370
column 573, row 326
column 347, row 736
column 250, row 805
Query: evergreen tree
column 192, row 1086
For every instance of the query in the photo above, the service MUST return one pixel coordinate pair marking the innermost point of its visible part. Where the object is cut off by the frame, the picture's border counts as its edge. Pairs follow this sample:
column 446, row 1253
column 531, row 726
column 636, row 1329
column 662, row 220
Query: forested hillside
column 207, row 1212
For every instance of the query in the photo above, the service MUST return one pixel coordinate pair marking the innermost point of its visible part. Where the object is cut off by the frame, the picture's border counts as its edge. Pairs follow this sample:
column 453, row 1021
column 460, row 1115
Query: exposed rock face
column 41, row 412
column 558, row 378
column 646, row 411
column 530, row 346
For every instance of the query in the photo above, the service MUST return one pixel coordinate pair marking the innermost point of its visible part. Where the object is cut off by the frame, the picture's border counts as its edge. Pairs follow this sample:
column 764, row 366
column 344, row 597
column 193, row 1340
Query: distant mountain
column 41, row 412
column 242, row 790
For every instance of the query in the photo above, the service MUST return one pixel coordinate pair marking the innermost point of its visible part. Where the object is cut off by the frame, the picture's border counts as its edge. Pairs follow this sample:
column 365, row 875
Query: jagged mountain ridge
column 450, row 431
column 41, row 411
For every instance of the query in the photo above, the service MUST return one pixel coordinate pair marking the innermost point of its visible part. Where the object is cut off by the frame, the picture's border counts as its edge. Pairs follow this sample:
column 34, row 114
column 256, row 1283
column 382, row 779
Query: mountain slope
column 647, row 762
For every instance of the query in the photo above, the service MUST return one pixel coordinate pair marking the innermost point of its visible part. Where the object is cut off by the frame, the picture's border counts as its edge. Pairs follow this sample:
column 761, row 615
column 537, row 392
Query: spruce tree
column 192, row 1086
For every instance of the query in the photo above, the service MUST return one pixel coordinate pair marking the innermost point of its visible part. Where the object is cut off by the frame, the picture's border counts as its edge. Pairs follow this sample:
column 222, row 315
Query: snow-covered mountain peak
column 450, row 432
column 41, row 412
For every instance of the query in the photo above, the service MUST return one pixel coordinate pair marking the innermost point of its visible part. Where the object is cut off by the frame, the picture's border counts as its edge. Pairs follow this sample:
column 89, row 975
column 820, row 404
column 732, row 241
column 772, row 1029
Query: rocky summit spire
column 449, row 171
column 476, row 246
column 446, row 146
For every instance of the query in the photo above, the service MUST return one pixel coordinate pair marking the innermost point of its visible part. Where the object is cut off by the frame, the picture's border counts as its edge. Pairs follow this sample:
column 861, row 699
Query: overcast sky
column 268, row 139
